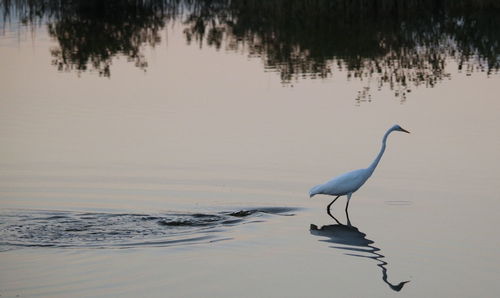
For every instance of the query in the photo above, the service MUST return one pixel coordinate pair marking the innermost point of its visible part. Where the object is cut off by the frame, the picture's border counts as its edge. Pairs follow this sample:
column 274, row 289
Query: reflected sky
column 381, row 43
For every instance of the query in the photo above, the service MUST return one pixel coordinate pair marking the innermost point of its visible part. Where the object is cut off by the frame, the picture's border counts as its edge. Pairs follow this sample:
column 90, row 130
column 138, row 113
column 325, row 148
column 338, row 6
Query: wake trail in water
column 67, row 229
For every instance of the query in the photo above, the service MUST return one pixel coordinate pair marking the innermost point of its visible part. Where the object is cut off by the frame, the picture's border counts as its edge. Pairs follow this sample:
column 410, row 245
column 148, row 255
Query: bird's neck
column 379, row 156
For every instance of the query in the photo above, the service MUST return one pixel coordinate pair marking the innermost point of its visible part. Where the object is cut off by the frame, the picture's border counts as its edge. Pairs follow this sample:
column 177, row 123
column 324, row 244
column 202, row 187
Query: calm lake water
column 167, row 148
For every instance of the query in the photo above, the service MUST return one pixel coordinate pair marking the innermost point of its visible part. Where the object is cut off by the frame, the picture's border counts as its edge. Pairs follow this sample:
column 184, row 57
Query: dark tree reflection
column 91, row 32
column 399, row 44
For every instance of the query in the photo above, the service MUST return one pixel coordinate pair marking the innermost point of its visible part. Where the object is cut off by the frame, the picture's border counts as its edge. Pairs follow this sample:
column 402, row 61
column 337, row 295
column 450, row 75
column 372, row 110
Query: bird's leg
column 347, row 206
column 328, row 210
column 338, row 222
column 329, row 205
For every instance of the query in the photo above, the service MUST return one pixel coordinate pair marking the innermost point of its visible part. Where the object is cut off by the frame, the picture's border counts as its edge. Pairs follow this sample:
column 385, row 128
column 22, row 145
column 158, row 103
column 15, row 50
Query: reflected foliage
column 399, row 44
column 91, row 32
column 350, row 239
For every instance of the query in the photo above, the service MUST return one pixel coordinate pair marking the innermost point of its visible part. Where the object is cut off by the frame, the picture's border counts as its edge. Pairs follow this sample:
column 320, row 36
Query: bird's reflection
column 357, row 245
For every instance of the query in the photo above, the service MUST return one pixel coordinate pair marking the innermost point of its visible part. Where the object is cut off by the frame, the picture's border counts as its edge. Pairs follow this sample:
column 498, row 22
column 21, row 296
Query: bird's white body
column 348, row 183
column 344, row 184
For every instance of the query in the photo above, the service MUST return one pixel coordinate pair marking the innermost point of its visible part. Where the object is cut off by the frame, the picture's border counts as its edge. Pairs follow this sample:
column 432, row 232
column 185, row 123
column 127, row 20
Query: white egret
column 348, row 183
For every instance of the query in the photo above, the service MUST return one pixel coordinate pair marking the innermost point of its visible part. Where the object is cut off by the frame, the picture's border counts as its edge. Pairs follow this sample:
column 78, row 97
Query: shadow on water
column 397, row 44
column 357, row 245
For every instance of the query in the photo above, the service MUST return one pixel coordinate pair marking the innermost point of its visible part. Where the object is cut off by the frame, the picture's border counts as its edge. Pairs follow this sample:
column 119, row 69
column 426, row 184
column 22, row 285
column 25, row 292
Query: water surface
column 168, row 147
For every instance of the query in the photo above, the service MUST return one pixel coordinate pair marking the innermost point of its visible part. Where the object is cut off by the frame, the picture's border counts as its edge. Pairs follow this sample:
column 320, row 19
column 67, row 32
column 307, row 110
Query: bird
column 348, row 183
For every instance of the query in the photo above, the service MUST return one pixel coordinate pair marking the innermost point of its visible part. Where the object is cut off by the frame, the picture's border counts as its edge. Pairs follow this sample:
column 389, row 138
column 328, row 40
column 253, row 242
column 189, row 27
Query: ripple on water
column 23, row 228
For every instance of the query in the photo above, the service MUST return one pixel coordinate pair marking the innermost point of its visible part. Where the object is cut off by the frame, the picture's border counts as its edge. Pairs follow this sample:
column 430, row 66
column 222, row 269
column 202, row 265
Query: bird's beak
column 402, row 129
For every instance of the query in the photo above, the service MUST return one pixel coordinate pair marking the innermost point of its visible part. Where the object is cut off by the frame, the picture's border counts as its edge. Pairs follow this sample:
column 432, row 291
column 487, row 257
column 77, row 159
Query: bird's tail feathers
column 314, row 191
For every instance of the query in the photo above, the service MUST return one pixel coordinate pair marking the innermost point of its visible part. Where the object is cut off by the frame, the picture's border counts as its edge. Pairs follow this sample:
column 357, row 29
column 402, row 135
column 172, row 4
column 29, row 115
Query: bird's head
column 399, row 286
column 399, row 128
